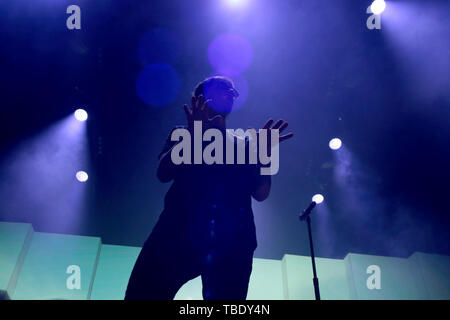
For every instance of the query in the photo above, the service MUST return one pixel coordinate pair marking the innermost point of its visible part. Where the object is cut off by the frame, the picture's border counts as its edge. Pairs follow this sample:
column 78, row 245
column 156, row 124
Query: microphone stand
column 306, row 216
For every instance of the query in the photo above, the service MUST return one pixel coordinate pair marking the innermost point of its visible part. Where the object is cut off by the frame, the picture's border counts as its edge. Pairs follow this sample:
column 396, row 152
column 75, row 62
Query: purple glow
column 351, row 178
column 230, row 54
column 37, row 182
column 235, row 3
column 364, row 210
column 343, row 167
column 418, row 35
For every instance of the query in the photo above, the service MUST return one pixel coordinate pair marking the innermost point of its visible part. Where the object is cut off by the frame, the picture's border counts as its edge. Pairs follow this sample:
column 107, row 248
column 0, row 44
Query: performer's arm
column 263, row 182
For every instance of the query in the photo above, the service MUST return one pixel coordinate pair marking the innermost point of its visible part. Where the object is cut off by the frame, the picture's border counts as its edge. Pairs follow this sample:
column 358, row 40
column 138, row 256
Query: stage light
column 318, row 198
column 235, row 2
column 81, row 115
column 378, row 6
column 335, row 143
column 82, row 176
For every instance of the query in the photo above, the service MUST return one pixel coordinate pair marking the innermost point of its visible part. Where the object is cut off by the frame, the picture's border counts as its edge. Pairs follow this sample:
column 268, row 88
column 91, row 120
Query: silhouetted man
column 207, row 226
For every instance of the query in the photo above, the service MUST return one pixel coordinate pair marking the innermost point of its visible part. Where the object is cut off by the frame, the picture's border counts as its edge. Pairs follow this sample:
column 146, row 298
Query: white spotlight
column 335, row 143
column 318, row 198
column 82, row 176
column 378, row 6
column 81, row 115
column 235, row 3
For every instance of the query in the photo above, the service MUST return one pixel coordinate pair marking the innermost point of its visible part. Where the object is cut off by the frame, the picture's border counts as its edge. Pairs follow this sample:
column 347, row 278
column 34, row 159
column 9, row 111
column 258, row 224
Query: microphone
column 307, row 211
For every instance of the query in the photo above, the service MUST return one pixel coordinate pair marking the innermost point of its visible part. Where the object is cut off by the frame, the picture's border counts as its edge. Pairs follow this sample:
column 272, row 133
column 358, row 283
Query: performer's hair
column 219, row 82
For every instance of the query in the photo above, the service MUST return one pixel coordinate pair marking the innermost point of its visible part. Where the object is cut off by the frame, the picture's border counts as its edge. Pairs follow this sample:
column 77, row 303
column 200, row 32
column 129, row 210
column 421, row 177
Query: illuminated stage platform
column 36, row 265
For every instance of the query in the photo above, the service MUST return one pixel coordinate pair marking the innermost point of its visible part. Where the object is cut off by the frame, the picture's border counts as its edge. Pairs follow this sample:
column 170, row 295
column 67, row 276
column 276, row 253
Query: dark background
column 316, row 65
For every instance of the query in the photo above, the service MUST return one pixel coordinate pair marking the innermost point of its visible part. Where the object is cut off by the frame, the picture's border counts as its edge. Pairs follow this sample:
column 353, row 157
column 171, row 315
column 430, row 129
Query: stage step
column 15, row 240
column 297, row 278
column 113, row 271
column 36, row 265
column 396, row 278
column 58, row 266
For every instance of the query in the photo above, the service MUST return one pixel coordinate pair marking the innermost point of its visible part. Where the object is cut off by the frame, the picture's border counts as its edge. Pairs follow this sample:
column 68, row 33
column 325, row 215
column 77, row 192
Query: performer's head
column 220, row 90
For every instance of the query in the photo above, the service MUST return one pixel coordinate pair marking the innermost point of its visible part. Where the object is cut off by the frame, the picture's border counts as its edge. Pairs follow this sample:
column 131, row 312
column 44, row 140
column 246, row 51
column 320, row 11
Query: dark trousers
column 174, row 254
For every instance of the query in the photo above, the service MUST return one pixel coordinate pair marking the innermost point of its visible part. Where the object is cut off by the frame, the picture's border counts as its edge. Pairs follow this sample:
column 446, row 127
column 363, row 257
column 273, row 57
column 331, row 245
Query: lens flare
column 230, row 54
column 158, row 84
